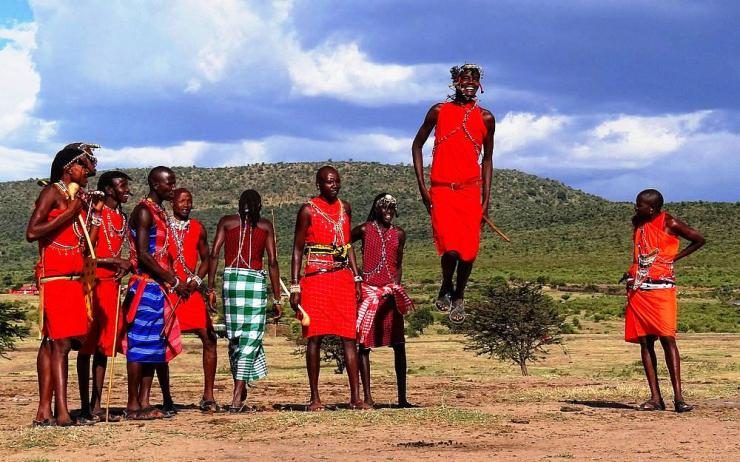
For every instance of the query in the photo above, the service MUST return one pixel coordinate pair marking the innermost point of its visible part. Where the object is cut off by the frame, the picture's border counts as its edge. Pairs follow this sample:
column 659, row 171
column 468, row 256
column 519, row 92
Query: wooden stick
column 115, row 352
column 495, row 229
column 305, row 318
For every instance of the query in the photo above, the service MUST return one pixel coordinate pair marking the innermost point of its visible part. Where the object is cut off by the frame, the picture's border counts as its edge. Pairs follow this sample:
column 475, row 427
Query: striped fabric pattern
column 245, row 303
column 144, row 340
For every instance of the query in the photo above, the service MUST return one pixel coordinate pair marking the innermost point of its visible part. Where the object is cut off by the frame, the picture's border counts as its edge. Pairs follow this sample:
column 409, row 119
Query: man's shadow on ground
column 328, row 407
column 601, row 404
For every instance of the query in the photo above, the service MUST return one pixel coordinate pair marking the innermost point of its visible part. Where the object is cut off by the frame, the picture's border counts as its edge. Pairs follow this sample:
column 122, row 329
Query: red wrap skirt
column 331, row 302
column 191, row 312
column 650, row 312
column 103, row 327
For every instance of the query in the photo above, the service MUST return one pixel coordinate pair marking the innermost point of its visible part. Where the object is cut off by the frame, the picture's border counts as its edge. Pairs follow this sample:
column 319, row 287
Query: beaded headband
column 87, row 151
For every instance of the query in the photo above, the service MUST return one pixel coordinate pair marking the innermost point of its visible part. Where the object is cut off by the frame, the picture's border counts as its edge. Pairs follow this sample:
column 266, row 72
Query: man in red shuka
column 462, row 167
column 63, row 320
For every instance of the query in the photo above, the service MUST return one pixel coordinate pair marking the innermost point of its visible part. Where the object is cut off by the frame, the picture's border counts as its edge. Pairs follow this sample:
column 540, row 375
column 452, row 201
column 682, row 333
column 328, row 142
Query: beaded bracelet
column 358, row 278
column 295, row 288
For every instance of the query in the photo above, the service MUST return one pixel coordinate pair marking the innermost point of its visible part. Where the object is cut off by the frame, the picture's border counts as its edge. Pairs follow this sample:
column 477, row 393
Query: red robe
column 456, row 180
column 378, row 271
column 107, row 289
column 651, row 295
column 328, row 298
column 62, row 301
column 191, row 312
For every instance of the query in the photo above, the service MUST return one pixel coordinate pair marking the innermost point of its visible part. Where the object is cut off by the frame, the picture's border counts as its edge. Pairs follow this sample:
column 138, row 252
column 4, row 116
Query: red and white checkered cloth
column 371, row 301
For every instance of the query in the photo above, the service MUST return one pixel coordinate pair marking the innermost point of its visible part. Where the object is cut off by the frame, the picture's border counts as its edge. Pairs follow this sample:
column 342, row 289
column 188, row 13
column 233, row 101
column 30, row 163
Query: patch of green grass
column 332, row 421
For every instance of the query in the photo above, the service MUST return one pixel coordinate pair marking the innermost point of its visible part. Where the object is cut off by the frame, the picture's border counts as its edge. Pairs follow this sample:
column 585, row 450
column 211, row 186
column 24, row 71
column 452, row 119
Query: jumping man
column 460, row 181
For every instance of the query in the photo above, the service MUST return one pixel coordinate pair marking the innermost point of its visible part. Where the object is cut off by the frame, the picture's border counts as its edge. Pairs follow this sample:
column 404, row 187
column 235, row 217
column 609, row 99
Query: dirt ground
column 578, row 404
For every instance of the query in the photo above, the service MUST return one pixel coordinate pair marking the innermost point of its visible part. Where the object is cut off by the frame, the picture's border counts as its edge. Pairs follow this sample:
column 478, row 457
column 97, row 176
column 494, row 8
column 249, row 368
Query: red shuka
column 456, row 179
column 652, row 311
column 63, row 301
column 191, row 312
column 328, row 298
column 378, row 271
column 107, row 289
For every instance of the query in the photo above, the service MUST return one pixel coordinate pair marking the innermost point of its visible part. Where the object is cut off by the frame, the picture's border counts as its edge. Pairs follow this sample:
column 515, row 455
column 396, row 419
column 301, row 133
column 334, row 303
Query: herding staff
column 88, row 270
column 495, row 229
column 115, row 352
column 305, row 318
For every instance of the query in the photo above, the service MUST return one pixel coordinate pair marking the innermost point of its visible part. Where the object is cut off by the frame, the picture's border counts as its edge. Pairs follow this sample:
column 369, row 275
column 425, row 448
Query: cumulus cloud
column 225, row 47
column 686, row 155
column 19, row 81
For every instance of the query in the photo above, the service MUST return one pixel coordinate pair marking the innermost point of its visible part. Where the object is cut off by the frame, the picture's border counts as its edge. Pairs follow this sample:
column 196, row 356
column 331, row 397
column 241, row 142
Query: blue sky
column 609, row 96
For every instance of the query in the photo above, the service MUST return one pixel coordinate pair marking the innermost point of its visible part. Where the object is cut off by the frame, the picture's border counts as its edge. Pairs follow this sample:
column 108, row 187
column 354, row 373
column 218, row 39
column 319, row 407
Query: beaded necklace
column 162, row 216
column 110, row 230
column 337, row 225
column 383, row 263
column 244, row 227
column 179, row 230
column 464, row 128
column 75, row 228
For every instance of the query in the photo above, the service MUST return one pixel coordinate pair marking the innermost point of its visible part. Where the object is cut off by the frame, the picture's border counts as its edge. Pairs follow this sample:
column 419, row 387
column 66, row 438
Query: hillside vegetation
column 559, row 234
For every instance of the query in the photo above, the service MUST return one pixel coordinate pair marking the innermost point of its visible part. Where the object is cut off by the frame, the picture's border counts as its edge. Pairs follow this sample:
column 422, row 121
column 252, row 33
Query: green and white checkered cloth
column 245, row 303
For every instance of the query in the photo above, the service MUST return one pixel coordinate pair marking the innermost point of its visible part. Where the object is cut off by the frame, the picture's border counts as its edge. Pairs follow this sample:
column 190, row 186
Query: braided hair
column 61, row 159
column 382, row 199
column 250, row 204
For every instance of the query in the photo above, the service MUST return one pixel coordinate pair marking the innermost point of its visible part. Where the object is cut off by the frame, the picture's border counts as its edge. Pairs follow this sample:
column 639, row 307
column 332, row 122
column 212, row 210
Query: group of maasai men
column 82, row 234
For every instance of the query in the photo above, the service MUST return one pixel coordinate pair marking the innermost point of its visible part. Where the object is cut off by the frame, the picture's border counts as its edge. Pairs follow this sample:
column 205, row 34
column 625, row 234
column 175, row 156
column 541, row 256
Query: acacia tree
column 513, row 323
column 11, row 326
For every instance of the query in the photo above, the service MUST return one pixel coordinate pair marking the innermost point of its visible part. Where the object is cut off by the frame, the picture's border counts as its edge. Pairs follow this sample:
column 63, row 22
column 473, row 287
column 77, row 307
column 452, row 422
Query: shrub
column 514, row 324
column 12, row 328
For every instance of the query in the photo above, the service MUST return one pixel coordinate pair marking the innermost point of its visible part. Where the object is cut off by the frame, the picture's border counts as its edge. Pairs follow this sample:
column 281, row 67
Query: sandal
column 242, row 409
column 209, row 405
column 652, row 406
column 457, row 313
column 168, row 411
column 111, row 417
column 444, row 301
column 43, row 423
column 85, row 420
column 682, row 406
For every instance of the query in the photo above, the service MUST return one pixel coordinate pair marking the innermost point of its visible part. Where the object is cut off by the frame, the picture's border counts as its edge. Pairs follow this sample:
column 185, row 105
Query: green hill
column 559, row 233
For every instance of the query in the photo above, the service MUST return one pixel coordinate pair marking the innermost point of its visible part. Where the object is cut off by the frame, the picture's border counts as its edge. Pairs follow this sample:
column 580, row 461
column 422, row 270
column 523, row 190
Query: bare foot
column 315, row 406
column 370, row 402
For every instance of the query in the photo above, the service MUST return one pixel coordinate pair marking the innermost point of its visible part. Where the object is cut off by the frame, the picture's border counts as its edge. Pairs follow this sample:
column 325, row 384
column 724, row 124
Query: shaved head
column 157, row 173
column 325, row 170
column 652, row 197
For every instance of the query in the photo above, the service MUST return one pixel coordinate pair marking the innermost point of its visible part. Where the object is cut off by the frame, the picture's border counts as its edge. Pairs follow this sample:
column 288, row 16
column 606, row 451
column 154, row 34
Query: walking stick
column 115, row 352
column 495, row 229
column 305, row 318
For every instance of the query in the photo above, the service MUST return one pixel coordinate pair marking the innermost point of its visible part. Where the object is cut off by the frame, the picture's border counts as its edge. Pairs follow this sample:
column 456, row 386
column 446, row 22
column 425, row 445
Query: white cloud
column 19, row 164
column 517, row 129
column 629, row 140
column 19, row 82
column 225, row 47
column 343, row 71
